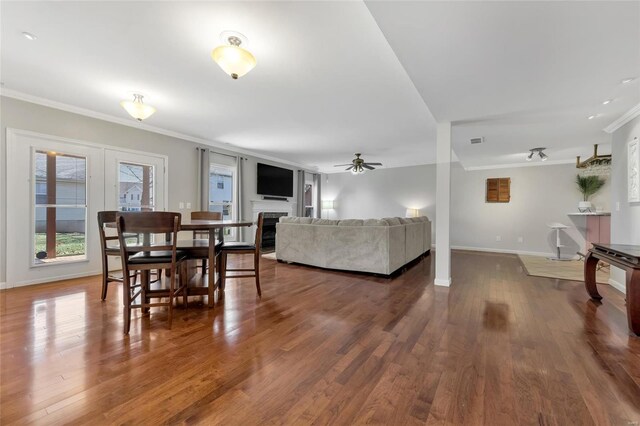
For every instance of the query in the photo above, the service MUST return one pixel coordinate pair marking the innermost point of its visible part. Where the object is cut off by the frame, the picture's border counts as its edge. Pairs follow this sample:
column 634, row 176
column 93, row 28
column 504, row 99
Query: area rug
column 271, row 255
column 565, row 270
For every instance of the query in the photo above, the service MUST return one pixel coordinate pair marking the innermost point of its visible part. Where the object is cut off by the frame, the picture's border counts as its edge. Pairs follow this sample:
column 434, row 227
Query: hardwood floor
column 320, row 347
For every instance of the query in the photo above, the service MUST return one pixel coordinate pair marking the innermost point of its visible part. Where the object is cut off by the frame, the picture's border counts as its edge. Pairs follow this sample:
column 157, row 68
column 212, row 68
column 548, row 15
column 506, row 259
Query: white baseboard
column 4, row 286
column 506, row 251
column 442, row 282
column 618, row 286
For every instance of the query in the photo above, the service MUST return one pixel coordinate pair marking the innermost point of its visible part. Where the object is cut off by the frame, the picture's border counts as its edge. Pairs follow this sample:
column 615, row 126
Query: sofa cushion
column 375, row 222
column 391, row 221
column 405, row 220
column 415, row 219
column 324, row 222
column 350, row 222
column 287, row 219
column 305, row 220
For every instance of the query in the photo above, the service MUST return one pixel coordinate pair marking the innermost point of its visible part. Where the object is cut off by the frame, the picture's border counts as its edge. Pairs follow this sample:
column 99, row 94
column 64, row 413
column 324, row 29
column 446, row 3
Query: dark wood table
column 626, row 257
column 210, row 226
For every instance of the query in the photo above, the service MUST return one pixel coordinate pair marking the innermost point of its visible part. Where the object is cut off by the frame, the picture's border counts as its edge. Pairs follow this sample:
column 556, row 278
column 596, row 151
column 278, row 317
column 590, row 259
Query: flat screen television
column 275, row 181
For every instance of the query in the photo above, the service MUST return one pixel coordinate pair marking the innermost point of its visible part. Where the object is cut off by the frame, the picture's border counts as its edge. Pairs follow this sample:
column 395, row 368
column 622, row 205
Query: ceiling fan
column 358, row 165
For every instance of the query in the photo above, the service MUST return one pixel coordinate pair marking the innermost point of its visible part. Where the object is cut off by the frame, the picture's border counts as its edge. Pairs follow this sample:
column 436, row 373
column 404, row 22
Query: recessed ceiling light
column 29, row 36
column 607, row 102
column 627, row 80
column 591, row 117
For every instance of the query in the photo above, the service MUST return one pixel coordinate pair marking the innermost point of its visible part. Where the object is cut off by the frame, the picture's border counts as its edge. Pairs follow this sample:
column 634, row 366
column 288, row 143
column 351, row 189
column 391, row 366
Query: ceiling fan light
column 137, row 109
column 234, row 60
column 530, row 156
column 543, row 156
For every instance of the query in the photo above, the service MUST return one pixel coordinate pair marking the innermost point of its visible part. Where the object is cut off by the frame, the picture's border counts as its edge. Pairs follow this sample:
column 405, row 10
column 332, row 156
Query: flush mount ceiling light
column 233, row 59
column 137, row 109
column 29, row 36
column 628, row 80
column 607, row 102
column 538, row 151
column 591, row 117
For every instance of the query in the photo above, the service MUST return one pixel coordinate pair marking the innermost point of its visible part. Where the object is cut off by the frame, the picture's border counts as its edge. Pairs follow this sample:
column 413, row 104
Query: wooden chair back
column 204, row 216
column 259, row 224
column 105, row 217
column 167, row 223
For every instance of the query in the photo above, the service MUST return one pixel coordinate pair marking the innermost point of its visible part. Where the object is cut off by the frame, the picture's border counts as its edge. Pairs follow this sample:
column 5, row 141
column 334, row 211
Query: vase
column 585, row 207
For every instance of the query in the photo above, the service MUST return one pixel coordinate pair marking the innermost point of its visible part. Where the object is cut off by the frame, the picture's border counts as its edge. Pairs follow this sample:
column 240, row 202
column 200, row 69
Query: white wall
column 539, row 195
column 625, row 220
column 381, row 193
column 183, row 157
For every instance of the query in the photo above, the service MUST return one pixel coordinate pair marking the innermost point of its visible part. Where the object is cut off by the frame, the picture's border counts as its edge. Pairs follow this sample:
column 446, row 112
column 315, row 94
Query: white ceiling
column 326, row 85
column 520, row 74
column 331, row 76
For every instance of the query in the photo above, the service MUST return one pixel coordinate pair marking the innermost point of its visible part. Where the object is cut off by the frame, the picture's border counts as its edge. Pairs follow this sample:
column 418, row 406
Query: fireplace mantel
column 258, row 206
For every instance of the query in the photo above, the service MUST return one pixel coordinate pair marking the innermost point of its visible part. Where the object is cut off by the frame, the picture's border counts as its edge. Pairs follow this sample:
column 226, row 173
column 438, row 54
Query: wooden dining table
column 209, row 226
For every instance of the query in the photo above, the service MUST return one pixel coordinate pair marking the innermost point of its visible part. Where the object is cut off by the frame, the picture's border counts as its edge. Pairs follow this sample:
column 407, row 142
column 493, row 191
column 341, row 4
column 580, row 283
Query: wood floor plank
column 497, row 347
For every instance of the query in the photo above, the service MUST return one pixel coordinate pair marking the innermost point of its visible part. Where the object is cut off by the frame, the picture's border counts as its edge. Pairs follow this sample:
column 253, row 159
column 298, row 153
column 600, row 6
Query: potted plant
column 588, row 185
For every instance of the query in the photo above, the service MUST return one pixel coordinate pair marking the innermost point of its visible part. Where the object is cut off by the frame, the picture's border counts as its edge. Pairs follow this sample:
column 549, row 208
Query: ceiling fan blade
column 375, row 164
column 368, row 167
column 342, row 165
column 349, row 168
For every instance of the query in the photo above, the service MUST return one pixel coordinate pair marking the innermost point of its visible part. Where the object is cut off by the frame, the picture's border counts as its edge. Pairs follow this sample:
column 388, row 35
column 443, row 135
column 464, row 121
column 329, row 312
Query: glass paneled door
column 134, row 182
column 222, row 193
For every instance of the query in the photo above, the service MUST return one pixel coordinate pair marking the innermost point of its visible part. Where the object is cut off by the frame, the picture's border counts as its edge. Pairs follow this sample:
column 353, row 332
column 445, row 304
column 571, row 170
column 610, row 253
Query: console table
column 625, row 257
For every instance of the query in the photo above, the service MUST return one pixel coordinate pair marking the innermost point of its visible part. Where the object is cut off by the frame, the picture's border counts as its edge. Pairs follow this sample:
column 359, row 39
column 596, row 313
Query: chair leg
column 145, row 282
column 126, row 299
column 223, row 270
column 204, row 266
column 105, row 277
column 184, row 277
column 172, row 281
column 256, row 266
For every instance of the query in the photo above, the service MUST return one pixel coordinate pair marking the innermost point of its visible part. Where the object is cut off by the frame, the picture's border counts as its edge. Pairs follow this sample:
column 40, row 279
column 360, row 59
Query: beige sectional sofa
column 380, row 246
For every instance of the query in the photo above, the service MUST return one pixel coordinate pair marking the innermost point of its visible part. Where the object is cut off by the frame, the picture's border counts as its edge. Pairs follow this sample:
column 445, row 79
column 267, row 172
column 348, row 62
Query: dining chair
column 243, row 248
column 199, row 246
column 107, row 249
column 147, row 256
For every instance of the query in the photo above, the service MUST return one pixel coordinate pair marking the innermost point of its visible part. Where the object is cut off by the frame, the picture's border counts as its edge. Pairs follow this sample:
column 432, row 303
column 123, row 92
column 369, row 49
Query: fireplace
column 269, row 229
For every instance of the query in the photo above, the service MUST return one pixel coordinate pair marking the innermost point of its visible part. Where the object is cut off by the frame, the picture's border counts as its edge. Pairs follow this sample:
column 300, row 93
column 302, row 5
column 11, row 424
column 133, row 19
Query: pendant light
column 233, row 59
column 137, row 109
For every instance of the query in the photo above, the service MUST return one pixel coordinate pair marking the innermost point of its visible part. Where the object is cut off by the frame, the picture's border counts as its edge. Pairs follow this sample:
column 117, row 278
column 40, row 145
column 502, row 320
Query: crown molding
column 14, row 94
column 518, row 165
column 624, row 119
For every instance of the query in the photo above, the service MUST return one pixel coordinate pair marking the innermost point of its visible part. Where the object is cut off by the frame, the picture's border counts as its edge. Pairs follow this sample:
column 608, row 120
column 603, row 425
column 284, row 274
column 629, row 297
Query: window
column 60, row 200
column 221, row 193
column 137, row 180
column 498, row 190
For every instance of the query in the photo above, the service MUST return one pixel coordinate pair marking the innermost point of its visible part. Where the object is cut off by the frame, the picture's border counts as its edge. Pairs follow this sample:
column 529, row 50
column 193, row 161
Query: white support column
column 443, row 205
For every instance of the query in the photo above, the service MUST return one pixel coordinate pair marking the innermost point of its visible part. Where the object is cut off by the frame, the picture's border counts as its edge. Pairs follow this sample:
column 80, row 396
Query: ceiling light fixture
column 607, row 102
column 137, row 109
column 628, row 80
column 538, row 151
column 233, row 59
column 591, row 117
column 29, row 36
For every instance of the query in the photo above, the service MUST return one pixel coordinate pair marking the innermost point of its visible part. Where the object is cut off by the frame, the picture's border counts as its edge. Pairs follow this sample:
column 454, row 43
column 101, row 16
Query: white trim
column 516, row 165
column 4, row 286
column 624, row 119
column 504, row 251
column 442, row 283
column 141, row 126
column 618, row 286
